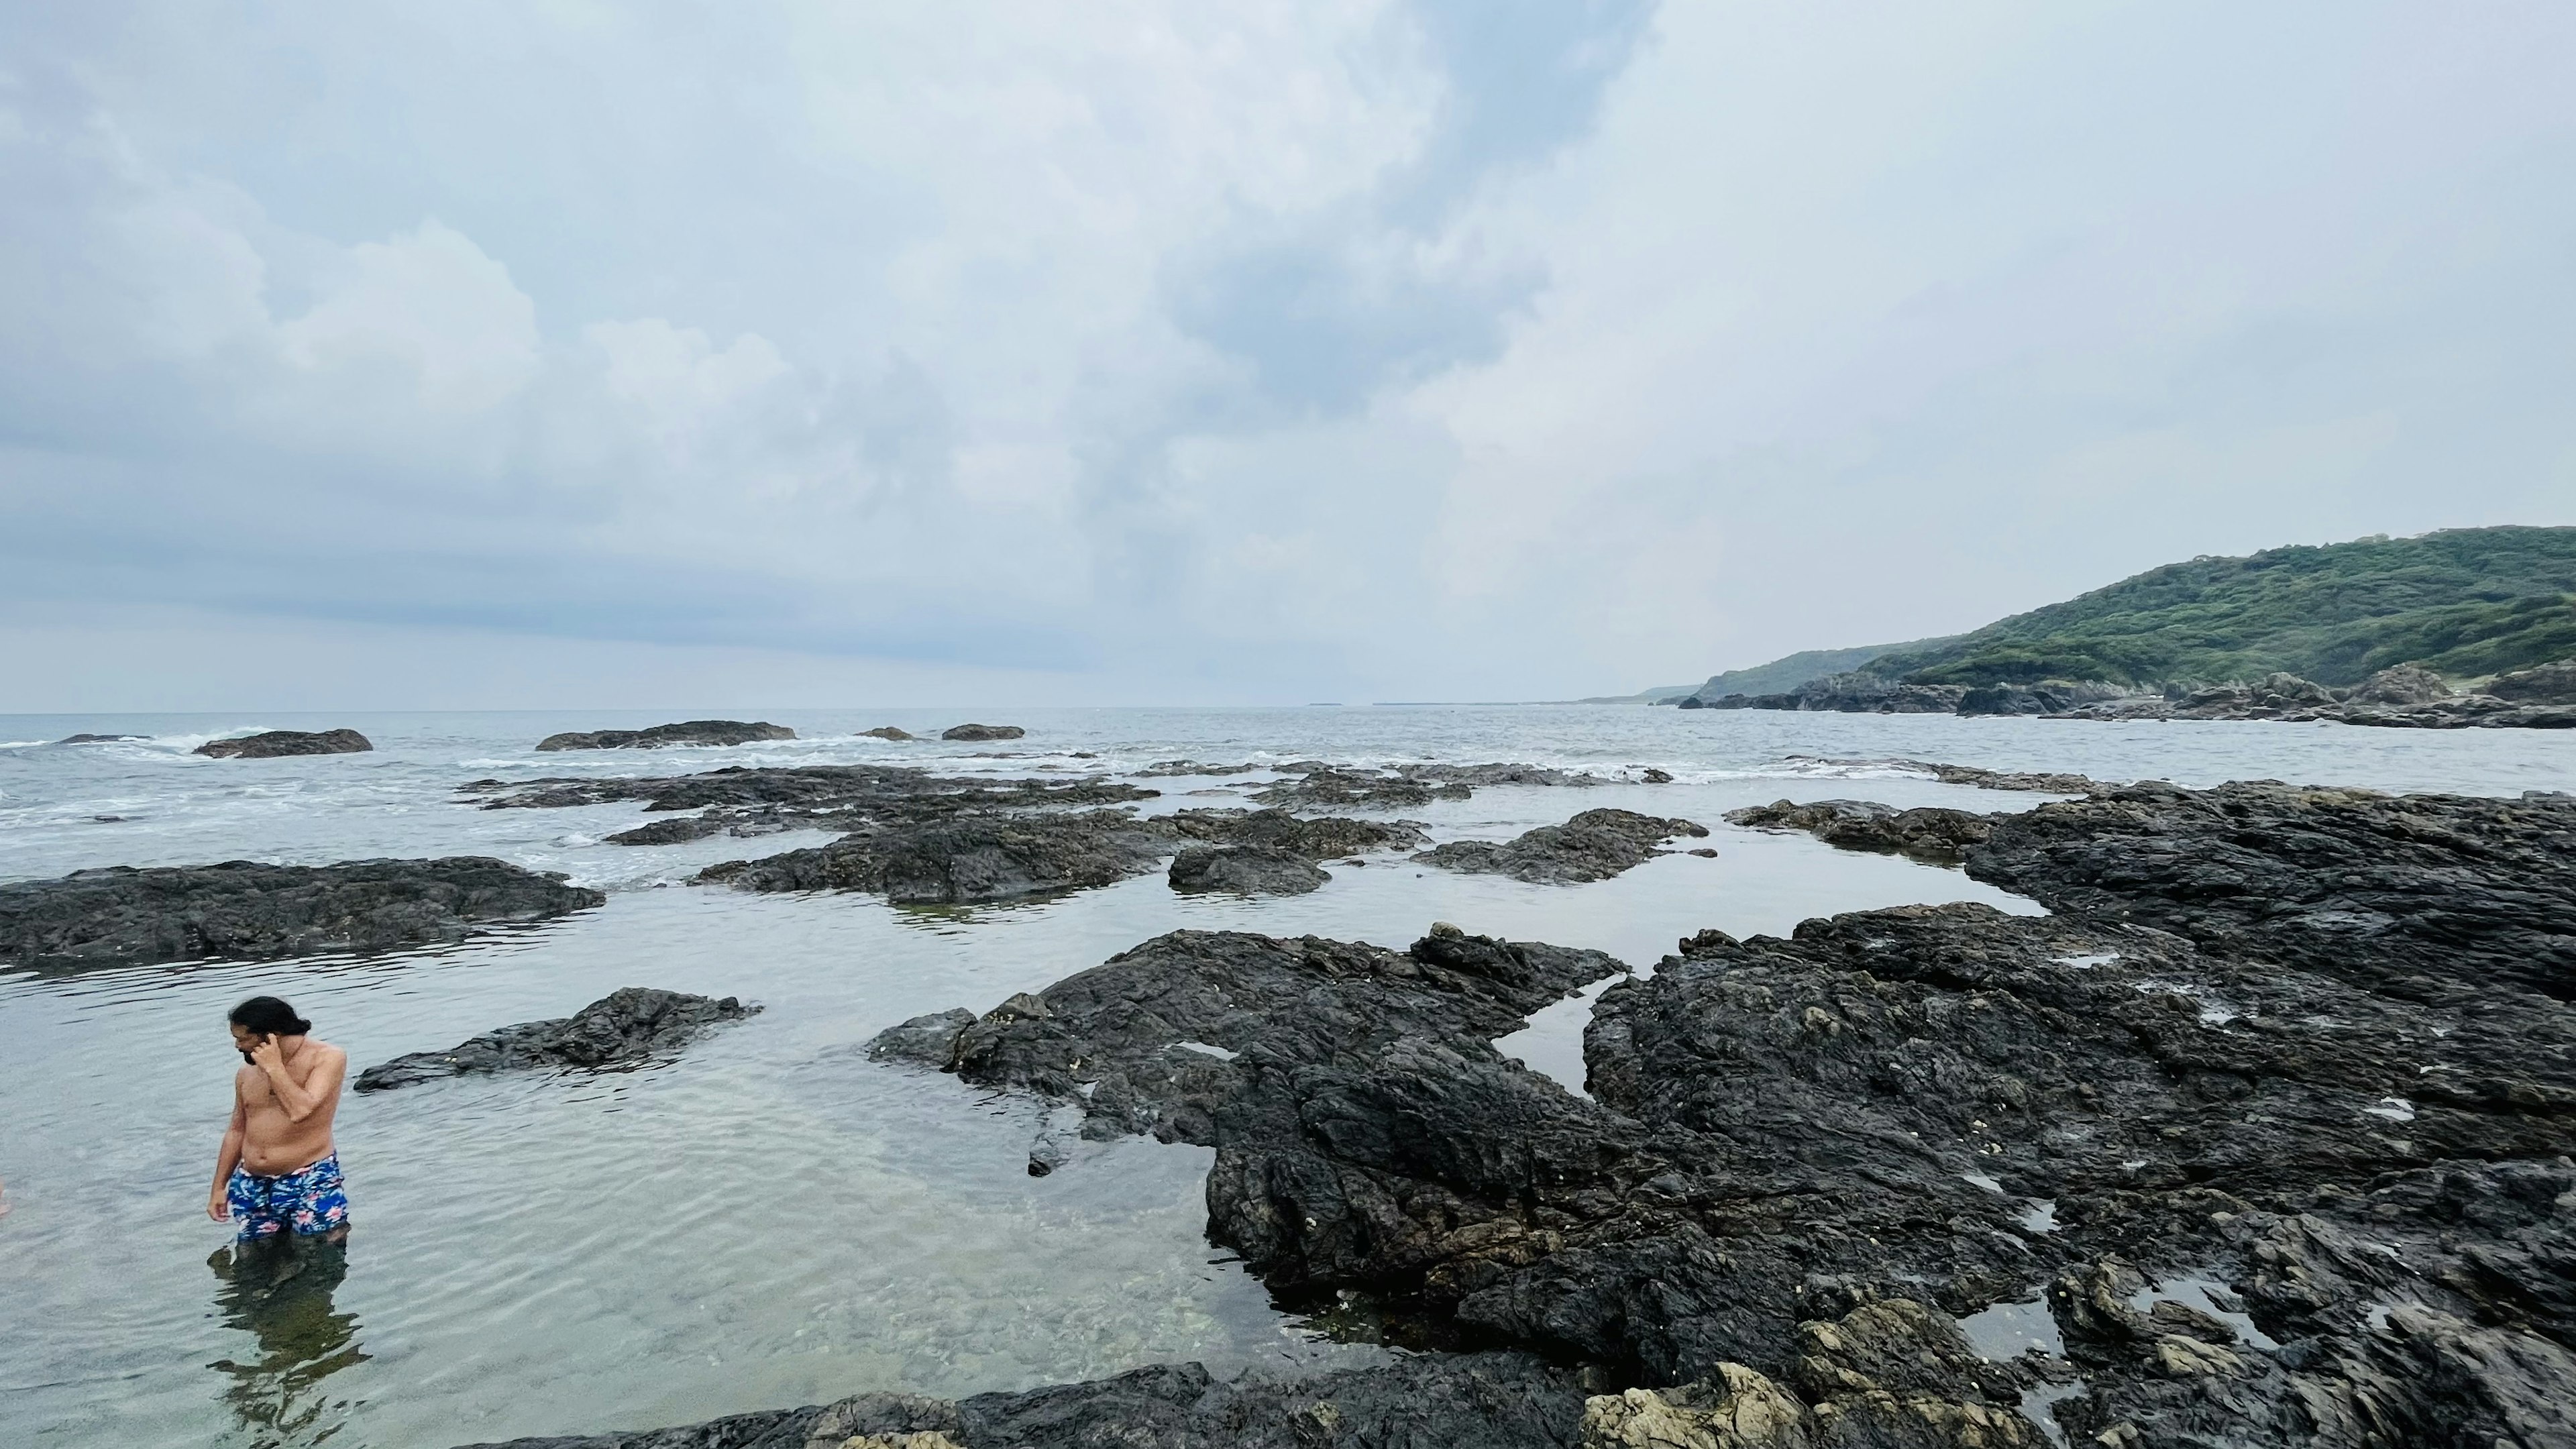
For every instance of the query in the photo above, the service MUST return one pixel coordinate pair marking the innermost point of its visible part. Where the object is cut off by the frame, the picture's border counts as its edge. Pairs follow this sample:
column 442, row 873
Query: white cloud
column 426, row 308
column 1276, row 350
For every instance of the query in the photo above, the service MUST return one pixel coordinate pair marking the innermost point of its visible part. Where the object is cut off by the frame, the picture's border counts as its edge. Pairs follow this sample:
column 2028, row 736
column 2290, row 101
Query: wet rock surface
column 1594, row 845
column 629, row 1026
column 1316, row 838
column 2268, row 1137
column 2434, row 897
column 1252, row 870
column 96, row 739
column 820, row 797
column 1400, row 787
column 965, row 858
column 696, row 732
column 277, row 744
column 1468, row 1401
column 1929, row 833
column 974, row 733
column 244, row 909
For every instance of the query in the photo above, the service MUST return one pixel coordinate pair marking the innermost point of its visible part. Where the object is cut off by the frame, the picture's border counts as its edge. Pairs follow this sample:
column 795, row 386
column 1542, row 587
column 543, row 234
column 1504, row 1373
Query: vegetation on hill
column 2465, row 603
column 1782, row 675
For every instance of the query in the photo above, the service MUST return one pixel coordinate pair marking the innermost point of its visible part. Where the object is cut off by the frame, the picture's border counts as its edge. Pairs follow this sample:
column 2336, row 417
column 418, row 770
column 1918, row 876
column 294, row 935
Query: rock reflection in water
column 279, row 1291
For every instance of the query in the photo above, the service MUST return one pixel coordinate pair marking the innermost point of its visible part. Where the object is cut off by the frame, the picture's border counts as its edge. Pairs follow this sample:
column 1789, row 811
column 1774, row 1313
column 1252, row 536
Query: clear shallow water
column 773, row 1219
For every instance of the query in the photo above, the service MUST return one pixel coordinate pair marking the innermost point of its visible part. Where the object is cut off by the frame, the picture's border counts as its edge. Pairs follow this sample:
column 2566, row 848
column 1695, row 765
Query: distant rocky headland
column 2463, row 628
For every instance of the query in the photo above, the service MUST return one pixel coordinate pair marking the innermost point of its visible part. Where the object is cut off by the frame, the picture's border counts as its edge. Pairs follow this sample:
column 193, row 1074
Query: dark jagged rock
column 1497, row 774
column 1316, row 838
column 896, row 789
column 677, row 830
column 2546, row 684
column 243, row 909
column 276, row 744
column 965, row 858
column 748, row 802
column 1465, row 1401
column 630, row 1025
column 1654, row 776
column 97, row 739
column 2437, row 897
column 696, row 732
column 980, row 732
column 887, row 732
column 1928, row 833
column 1325, row 785
column 1272, row 1002
column 1594, row 845
column 2271, row 1127
column 1252, row 870
column 1166, row 768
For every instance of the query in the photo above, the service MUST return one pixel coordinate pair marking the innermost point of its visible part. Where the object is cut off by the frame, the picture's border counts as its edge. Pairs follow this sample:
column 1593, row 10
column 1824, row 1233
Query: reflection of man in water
column 279, row 1289
column 278, row 1171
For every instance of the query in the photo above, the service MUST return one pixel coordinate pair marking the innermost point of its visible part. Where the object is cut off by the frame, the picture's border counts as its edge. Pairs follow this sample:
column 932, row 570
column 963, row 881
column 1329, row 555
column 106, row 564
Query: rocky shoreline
column 2264, row 1138
column 2402, row 697
column 123, row 916
column 918, row 838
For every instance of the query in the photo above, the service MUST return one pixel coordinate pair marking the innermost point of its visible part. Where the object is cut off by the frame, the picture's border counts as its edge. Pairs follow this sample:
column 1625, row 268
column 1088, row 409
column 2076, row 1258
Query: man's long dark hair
column 270, row 1015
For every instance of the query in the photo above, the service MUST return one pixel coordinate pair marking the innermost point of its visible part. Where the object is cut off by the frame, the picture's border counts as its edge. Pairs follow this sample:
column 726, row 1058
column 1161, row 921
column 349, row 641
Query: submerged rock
column 691, row 732
column 979, row 732
column 1927, row 833
column 888, row 732
column 97, row 739
column 1594, row 845
column 244, row 909
column 630, row 1025
column 276, row 744
column 1252, row 870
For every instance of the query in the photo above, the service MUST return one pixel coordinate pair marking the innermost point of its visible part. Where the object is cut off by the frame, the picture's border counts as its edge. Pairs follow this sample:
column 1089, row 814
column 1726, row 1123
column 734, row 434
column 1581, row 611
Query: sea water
column 772, row 1219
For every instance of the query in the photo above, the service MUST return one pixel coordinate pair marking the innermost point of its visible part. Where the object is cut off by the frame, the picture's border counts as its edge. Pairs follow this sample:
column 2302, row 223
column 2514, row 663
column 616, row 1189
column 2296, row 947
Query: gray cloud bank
column 571, row 353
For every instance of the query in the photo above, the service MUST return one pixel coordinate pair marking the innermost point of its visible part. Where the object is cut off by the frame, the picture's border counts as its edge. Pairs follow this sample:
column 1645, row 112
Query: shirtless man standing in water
column 278, row 1171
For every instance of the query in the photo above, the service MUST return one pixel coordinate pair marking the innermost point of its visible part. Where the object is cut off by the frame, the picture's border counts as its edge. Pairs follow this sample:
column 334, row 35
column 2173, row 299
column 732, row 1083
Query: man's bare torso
column 273, row 1143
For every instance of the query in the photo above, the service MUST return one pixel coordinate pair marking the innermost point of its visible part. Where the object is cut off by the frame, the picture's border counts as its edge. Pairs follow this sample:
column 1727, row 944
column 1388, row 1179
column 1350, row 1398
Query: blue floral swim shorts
column 310, row 1199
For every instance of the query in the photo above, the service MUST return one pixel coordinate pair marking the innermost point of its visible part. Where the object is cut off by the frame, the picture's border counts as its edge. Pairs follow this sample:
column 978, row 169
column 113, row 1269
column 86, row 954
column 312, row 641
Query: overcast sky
column 500, row 354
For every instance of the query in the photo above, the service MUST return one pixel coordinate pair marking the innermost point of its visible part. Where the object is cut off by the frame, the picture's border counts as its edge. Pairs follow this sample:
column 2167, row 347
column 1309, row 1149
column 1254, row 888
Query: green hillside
column 1782, row 675
column 2464, row 602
